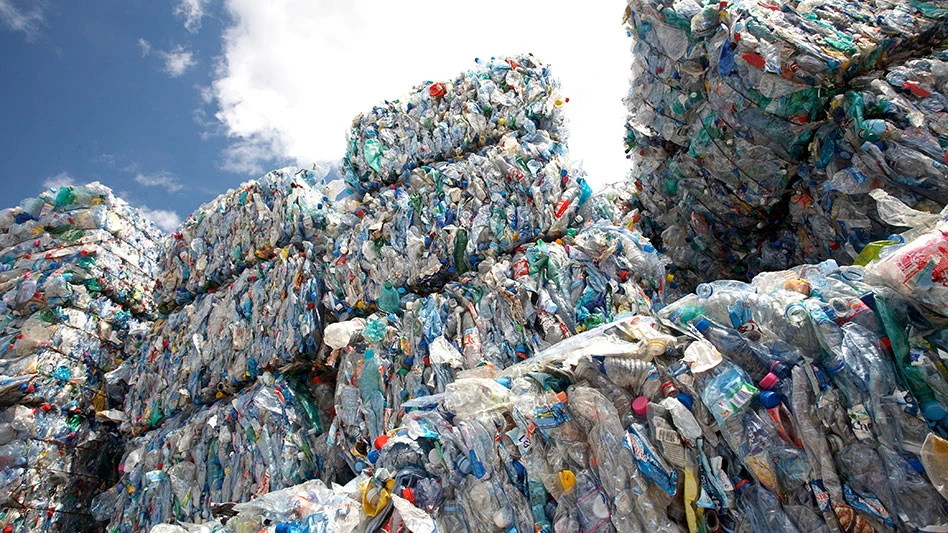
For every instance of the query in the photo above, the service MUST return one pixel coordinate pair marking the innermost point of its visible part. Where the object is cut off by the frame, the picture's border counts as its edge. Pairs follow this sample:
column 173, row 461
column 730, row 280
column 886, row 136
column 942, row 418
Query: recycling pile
column 223, row 401
column 461, row 171
column 811, row 399
column 262, row 439
column 237, row 230
column 466, row 338
column 743, row 115
column 75, row 293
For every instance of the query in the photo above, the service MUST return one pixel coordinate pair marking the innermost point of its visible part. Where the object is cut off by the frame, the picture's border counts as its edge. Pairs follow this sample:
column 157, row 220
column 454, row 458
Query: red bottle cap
column 769, row 381
column 639, row 405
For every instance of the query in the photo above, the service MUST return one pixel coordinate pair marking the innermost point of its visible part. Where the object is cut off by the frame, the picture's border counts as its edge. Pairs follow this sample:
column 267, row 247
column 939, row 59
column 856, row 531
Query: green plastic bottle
column 388, row 300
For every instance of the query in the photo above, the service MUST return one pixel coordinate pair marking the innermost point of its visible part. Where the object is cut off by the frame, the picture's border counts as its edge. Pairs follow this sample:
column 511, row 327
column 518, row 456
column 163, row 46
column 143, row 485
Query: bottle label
column 561, row 207
column 521, row 440
column 860, row 421
column 867, row 504
column 672, row 448
column 550, row 416
column 520, row 269
column 649, row 462
column 821, row 496
column 733, row 402
column 857, row 307
column 472, row 339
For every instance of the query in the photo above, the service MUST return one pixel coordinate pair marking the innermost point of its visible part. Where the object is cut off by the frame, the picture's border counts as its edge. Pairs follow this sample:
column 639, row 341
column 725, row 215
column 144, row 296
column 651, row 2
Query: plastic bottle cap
column 373, row 456
column 740, row 484
column 656, row 347
column 380, row 441
column 702, row 324
column 639, row 405
column 704, row 290
column 686, row 399
column 567, row 480
column 769, row 399
column 769, row 381
column 669, row 389
column 561, row 396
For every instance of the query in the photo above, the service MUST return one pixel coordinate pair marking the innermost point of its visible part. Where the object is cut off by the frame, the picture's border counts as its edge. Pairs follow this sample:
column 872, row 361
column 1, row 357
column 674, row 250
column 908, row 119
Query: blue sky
column 171, row 103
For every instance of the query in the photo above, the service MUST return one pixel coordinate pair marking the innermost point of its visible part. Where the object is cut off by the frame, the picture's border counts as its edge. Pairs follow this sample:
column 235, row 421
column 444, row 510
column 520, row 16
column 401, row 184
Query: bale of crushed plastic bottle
column 60, row 355
column 448, row 217
column 728, row 106
column 265, row 438
column 53, row 462
column 444, row 120
column 812, row 398
column 267, row 317
column 89, row 236
column 237, row 230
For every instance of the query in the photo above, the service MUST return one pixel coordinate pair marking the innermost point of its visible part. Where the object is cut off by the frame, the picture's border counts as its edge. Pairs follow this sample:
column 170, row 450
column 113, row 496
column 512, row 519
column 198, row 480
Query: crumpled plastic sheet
column 267, row 317
column 263, row 439
column 53, row 461
column 440, row 121
column 724, row 104
column 237, row 230
column 449, row 216
column 918, row 269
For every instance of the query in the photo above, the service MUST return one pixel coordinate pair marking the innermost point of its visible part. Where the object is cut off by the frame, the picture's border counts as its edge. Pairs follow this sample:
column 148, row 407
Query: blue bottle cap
column 769, row 399
column 702, row 324
column 373, row 456
column 685, row 399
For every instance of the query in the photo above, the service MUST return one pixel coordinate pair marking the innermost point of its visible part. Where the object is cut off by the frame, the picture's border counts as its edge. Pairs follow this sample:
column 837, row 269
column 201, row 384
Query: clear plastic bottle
column 762, row 508
column 752, row 358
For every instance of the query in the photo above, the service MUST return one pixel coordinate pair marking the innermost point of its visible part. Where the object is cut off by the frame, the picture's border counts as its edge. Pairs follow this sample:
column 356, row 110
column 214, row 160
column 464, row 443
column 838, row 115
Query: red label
column 561, row 206
column 756, row 60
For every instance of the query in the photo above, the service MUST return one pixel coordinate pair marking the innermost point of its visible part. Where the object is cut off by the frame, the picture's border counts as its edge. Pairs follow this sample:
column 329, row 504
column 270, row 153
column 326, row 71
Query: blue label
column 867, row 504
column 649, row 463
column 822, row 497
column 550, row 416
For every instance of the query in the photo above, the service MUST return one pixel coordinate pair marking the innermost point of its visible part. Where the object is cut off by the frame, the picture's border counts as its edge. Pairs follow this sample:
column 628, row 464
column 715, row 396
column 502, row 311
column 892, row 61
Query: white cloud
column 192, row 11
column 177, row 61
column 163, row 218
column 59, row 180
column 248, row 156
column 29, row 19
column 165, row 180
column 145, row 46
column 295, row 72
